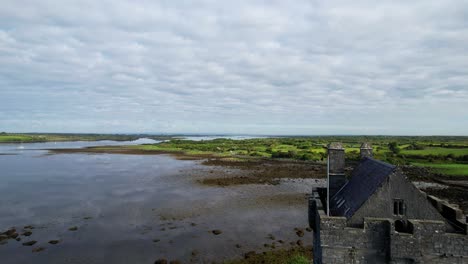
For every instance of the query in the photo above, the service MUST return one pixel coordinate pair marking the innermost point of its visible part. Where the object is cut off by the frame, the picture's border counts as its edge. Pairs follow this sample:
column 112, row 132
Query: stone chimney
column 366, row 150
column 336, row 168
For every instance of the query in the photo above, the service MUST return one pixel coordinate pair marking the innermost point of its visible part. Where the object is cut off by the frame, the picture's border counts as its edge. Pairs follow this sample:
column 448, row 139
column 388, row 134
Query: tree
column 393, row 147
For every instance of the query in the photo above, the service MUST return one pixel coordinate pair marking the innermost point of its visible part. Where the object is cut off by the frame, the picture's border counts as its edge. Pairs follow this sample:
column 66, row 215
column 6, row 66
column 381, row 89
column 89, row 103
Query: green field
column 447, row 155
column 16, row 138
column 53, row 137
column 452, row 169
column 264, row 147
column 457, row 152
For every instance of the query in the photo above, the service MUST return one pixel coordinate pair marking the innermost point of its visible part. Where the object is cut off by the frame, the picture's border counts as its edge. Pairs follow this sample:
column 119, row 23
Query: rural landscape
column 446, row 155
column 437, row 164
column 233, row 132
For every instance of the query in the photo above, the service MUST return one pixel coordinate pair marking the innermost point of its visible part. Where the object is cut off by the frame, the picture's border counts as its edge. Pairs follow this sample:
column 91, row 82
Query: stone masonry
column 378, row 241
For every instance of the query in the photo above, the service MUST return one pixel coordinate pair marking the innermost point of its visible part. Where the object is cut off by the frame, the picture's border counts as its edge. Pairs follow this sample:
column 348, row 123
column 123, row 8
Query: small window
column 399, row 207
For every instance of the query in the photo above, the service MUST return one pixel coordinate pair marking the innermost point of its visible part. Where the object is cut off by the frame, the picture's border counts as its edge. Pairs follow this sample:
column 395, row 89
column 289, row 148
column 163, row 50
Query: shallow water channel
column 137, row 208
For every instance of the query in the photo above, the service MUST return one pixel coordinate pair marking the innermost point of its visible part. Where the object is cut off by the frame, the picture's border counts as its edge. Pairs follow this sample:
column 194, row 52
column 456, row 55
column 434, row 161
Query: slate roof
column 366, row 178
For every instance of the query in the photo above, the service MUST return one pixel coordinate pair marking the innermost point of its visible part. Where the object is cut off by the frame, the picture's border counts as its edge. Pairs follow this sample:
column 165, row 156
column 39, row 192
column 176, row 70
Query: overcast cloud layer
column 257, row 67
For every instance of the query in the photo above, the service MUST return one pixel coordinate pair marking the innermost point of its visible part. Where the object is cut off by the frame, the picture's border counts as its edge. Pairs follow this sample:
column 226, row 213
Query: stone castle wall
column 429, row 243
column 378, row 241
column 342, row 244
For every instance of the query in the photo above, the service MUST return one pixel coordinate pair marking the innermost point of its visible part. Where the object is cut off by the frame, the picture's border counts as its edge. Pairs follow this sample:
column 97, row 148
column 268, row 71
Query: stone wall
column 342, row 244
column 429, row 243
column 424, row 241
column 380, row 203
column 452, row 214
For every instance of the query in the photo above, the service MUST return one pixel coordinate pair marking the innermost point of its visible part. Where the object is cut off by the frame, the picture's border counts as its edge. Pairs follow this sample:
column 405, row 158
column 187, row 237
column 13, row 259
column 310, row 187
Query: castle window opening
column 399, row 207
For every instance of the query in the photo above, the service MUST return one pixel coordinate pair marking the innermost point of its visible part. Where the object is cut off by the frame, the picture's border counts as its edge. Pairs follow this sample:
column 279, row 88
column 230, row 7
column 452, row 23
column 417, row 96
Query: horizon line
column 238, row 134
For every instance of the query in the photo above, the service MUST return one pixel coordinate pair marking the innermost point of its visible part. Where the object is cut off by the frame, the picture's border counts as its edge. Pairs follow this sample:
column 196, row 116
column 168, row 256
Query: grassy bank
column 296, row 255
column 52, row 137
column 9, row 138
column 452, row 169
column 445, row 155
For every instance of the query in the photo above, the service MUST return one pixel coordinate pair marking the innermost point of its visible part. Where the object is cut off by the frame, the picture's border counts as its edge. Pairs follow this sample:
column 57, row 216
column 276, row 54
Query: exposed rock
column 270, row 236
column 18, row 239
column 38, row 249
column 74, row 228
column 175, row 262
column 54, row 242
column 27, row 233
column 309, row 229
column 194, row 253
column 3, row 237
column 238, row 246
column 9, row 232
column 281, row 241
column 299, row 243
column 300, row 233
column 217, row 232
column 161, row 261
column 30, row 243
column 29, row 227
column 156, row 240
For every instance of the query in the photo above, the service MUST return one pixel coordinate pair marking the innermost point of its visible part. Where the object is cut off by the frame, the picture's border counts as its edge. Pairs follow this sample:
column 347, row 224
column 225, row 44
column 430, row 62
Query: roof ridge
column 381, row 162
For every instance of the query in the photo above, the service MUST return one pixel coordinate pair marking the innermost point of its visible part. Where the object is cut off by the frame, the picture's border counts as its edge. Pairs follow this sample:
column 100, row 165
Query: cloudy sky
column 257, row 67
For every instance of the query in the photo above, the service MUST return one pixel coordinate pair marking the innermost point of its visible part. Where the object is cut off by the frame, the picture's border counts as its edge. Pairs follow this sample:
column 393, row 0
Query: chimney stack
column 366, row 150
column 336, row 169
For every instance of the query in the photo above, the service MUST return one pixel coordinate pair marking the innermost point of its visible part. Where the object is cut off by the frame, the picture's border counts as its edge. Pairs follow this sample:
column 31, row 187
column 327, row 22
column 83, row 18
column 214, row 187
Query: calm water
column 199, row 138
column 121, row 203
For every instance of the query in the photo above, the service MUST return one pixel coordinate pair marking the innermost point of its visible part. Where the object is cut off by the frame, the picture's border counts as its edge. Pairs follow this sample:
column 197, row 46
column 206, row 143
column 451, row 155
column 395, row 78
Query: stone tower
column 336, row 168
column 366, row 150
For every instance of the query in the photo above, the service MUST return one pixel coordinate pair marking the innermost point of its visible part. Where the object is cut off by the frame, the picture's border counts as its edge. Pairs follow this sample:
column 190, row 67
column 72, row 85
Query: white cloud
column 312, row 67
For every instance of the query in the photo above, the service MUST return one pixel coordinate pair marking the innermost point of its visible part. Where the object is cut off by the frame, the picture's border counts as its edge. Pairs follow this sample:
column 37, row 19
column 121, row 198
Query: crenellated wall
column 342, row 244
column 451, row 213
column 429, row 243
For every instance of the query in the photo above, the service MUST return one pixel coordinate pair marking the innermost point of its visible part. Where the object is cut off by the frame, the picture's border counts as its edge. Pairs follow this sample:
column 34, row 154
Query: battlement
column 452, row 213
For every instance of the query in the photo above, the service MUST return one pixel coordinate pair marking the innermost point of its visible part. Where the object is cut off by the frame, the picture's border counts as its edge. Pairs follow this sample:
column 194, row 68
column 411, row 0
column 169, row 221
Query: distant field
column 448, row 155
column 437, row 151
column 16, row 138
column 448, row 169
column 34, row 137
column 446, row 160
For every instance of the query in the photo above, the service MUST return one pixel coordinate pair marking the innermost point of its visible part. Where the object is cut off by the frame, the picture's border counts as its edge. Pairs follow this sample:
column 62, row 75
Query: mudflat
column 87, row 207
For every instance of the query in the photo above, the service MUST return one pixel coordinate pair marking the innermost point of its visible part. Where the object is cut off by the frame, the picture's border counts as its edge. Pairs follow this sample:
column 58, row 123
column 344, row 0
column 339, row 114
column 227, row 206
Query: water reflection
column 121, row 203
column 25, row 148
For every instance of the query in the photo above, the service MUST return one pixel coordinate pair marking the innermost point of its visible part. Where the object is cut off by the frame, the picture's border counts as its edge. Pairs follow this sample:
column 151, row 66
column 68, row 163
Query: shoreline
column 247, row 183
column 227, row 171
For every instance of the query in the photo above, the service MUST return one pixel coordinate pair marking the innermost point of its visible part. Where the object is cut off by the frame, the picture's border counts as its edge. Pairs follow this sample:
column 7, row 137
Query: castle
column 379, row 216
